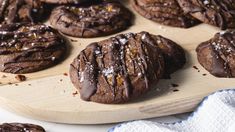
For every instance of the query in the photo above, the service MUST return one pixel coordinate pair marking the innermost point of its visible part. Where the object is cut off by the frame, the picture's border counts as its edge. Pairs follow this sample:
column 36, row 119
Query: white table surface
column 6, row 116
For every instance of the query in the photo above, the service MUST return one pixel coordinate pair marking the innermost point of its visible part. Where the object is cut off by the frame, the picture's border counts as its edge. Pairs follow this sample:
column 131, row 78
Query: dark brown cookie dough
column 19, row 127
column 174, row 55
column 64, row 1
column 166, row 12
column 28, row 47
column 117, row 69
column 220, row 13
column 12, row 11
column 217, row 55
column 91, row 19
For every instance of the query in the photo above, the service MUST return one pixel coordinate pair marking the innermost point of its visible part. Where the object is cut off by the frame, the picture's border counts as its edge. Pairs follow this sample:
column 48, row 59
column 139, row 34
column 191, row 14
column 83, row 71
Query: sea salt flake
column 82, row 76
column 123, row 40
column 108, row 71
column 143, row 36
column 206, row 2
column 52, row 58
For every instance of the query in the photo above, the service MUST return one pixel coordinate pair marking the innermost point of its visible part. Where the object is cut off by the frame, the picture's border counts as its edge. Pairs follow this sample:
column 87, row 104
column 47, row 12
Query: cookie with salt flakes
column 167, row 12
column 13, row 11
column 91, row 19
column 27, row 47
column 217, row 54
column 220, row 13
column 117, row 69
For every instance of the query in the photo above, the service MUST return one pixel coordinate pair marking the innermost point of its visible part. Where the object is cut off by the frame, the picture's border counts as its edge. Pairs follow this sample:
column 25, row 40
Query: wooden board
column 48, row 95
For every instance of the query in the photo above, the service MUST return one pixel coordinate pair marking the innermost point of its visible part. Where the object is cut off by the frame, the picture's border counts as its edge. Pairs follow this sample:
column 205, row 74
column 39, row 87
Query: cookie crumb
column 196, row 68
column 61, row 80
column 73, row 40
column 174, row 85
column 9, row 83
column 20, row 78
column 75, row 93
column 65, row 74
column 175, row 90
column 204, row 74
column 16, row 84
column 29, row 85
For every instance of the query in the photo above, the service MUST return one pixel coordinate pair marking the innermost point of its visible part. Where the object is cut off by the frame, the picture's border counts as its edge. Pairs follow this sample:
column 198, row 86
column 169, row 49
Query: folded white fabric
column 215, row 114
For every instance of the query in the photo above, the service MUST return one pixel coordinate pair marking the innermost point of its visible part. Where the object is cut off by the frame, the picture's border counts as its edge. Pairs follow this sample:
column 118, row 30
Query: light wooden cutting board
column 49, row 95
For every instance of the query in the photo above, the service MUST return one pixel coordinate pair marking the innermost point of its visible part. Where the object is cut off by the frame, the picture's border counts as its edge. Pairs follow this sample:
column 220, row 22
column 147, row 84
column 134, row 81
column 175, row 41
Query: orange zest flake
column 109, row 8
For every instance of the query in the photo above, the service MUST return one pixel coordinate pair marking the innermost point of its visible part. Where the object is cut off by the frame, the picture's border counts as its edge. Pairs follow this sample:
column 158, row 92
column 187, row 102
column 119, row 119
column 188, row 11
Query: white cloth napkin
column 216, row 113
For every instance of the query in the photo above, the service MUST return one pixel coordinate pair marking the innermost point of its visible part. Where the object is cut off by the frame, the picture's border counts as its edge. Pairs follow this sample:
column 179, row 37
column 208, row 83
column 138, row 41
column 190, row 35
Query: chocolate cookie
column 26, row 47
column 19, row 127
column 12, row 11
column 64, row 1
column 166, row 12
column 173, row 54
column 117, row 69
column 219, row 13
column 217, row 55
column 91, row 19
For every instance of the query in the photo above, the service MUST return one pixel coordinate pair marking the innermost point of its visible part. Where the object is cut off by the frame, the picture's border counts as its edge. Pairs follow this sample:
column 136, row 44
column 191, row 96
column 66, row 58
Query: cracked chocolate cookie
column 12, row 11
column 174, row 54
column 26, row 47
column 166, row 12
column 19, row 127
column 64, row 1
column 91, row 19
column 217, row 55
column 220, row 13
column 117, row 69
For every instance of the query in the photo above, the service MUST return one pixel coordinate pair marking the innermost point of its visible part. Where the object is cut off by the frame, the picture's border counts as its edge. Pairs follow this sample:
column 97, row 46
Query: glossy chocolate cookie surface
column 173, row 53
column 26, row 47
column 117, row 69
column 12, row 11
column 220, row 13
column 218, row 54
column 166, row 12
column 91, row 19
column 65, row 1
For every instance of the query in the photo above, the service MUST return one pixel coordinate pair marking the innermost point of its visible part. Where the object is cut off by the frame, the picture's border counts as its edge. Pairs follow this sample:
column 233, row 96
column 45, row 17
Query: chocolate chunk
column 91, row 19
column 117, row 69
column 166, row 12
column 26, row 47
column 20, row 78
column 217, row 55
column 220, row 13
